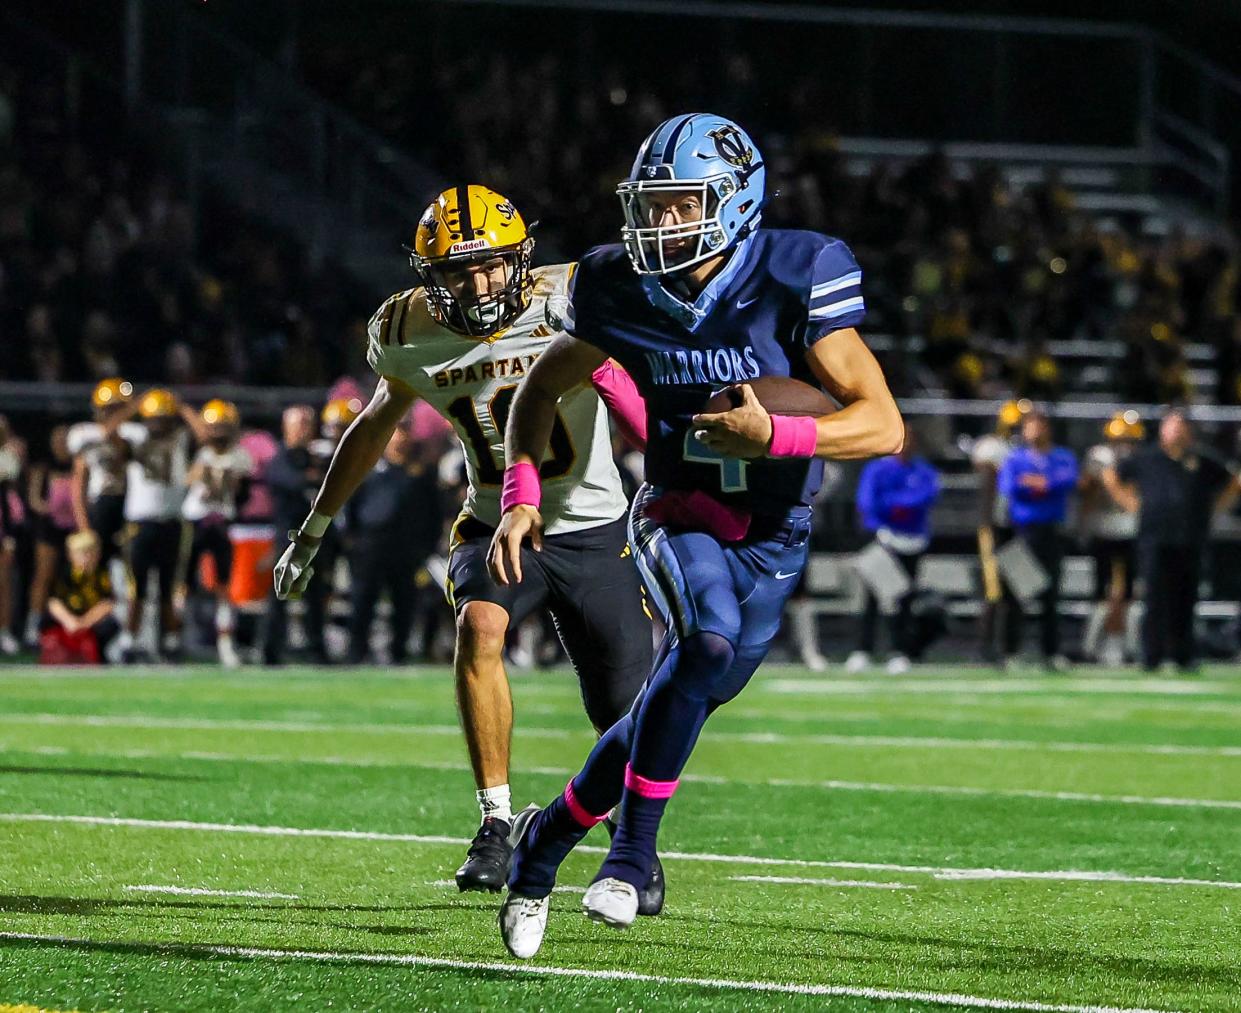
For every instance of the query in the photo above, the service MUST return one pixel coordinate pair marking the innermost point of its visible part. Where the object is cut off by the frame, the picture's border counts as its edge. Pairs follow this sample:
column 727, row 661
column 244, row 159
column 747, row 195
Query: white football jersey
column 155, row 478
column 215, row 492
column 105, row 463
column 471, row 383
column 1108, row 520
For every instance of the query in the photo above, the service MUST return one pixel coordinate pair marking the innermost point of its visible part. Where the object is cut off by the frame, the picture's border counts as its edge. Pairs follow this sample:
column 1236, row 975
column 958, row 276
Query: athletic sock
column 673, row 711
column 496, row 802
column 633, row 847
column 552, row 834
column 588, row 799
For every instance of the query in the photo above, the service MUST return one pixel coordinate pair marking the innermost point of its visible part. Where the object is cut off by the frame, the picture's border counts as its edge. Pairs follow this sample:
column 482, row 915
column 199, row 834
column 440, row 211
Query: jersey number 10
column 465, row 412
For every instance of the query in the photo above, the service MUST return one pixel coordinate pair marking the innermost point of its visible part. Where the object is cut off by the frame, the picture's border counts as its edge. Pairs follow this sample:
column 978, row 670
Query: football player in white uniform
column 99, row 466
column 158, row 452
column 463, row 340
column 1113, row 535
column 216, row 478
column 987, row 455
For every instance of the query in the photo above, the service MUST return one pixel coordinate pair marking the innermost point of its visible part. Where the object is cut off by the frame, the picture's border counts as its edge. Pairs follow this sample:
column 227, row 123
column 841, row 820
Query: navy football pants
column 723, row 604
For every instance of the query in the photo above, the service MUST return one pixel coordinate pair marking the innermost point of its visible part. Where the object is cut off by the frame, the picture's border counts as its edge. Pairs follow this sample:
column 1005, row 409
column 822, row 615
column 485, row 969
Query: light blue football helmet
column 696, row 153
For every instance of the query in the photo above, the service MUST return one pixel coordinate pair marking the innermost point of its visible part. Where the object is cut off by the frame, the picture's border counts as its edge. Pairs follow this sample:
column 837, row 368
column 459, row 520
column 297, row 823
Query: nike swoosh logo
column 785, row 576
column 742, row 304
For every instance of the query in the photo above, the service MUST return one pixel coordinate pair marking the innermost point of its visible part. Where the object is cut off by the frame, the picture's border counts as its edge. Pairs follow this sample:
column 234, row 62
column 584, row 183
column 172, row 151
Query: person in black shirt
column 292, row 476
column 1175, row 490
column 393, row 522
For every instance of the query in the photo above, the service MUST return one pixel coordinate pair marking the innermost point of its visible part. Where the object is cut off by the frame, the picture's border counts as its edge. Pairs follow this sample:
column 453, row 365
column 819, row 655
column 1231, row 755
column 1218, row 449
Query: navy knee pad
column 704, row 660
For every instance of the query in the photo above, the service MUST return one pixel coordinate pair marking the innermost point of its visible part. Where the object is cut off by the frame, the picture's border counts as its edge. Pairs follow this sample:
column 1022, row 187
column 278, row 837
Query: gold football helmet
column 472, row 254
column 218, row 412
column 340, row 412
column 1126, row 425
column 1011, row 414
column 158, row 404
column 111, row 392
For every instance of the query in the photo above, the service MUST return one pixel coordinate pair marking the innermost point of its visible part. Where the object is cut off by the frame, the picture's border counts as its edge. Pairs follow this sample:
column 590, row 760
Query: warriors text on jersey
column 471, row 382
column 780, row 292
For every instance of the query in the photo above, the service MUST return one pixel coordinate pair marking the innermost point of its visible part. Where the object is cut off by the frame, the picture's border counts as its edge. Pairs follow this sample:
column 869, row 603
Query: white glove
column 293, row 571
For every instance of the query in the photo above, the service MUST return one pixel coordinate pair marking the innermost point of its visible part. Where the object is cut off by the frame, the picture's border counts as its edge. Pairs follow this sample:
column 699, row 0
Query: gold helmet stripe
column 464, row 216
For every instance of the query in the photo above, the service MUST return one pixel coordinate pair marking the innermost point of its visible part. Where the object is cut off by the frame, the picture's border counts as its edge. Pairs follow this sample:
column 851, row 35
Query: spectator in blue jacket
column 1037, row 479
column 894, row 499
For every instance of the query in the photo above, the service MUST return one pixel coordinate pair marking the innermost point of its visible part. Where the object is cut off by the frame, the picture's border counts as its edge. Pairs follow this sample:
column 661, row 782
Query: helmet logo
column 506, row 210
column 469, row 246
column 731, row 146
column 432, row 225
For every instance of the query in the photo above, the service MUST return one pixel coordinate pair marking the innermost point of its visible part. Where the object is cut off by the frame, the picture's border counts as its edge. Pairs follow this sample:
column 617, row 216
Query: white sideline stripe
column 725, row 984
column 939, row 872
column 241, row 724
column 894, row 741
column 1141, row 687
column 867, row 883
column 199, row 891
column 1071, row 875
column 776, row 782
column 1038, row 793
column 936, row 742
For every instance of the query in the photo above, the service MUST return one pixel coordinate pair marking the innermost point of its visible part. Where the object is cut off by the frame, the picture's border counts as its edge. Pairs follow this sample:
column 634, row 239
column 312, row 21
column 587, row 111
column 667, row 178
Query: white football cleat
column 898, row 664
column 523, row 920
column 858, row 661
column 611, row 901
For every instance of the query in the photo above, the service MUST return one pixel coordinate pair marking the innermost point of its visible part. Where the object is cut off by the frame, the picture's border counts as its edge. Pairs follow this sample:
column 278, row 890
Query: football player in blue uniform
column 695, row 299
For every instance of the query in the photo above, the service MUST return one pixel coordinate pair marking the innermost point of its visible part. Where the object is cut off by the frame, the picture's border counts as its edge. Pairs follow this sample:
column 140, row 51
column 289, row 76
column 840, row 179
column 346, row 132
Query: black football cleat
column 651, row 896
column 487, row 862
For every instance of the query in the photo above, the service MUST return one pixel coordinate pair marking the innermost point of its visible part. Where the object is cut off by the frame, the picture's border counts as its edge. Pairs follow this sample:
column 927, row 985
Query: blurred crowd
column 106, row 269
column 986, row 271
column 148, row 531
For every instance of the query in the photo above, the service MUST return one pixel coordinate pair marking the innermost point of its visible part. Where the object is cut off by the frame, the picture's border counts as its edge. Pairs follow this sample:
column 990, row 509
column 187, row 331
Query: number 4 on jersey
column 732, row 469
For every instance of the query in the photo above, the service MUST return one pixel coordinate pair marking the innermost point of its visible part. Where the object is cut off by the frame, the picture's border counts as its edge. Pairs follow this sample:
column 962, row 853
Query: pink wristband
column 793, row 436
column 521, row 486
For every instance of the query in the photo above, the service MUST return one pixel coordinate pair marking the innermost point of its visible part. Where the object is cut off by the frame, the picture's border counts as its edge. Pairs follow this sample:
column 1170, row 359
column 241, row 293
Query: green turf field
column 269, row 840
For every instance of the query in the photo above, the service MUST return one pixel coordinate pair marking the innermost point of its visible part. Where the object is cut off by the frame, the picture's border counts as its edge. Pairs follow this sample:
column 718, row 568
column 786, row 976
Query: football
column 780, row 395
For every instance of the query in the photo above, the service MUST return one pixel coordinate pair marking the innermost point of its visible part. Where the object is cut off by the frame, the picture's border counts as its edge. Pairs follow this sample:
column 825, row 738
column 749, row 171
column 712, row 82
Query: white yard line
column 968, row 791
column 939, row 872
column 869, row 884
column 1036, row 793
column 723, row 984
column 1053, row 686
column 199, row 891
column 532, row 731
column 241, row 724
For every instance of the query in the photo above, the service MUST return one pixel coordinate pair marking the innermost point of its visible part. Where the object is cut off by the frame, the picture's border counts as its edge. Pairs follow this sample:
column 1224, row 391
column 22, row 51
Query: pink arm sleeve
column 620, row 394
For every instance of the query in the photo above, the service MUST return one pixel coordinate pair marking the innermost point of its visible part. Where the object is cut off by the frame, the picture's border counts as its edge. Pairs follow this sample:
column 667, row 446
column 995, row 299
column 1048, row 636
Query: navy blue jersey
column 780, row 292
